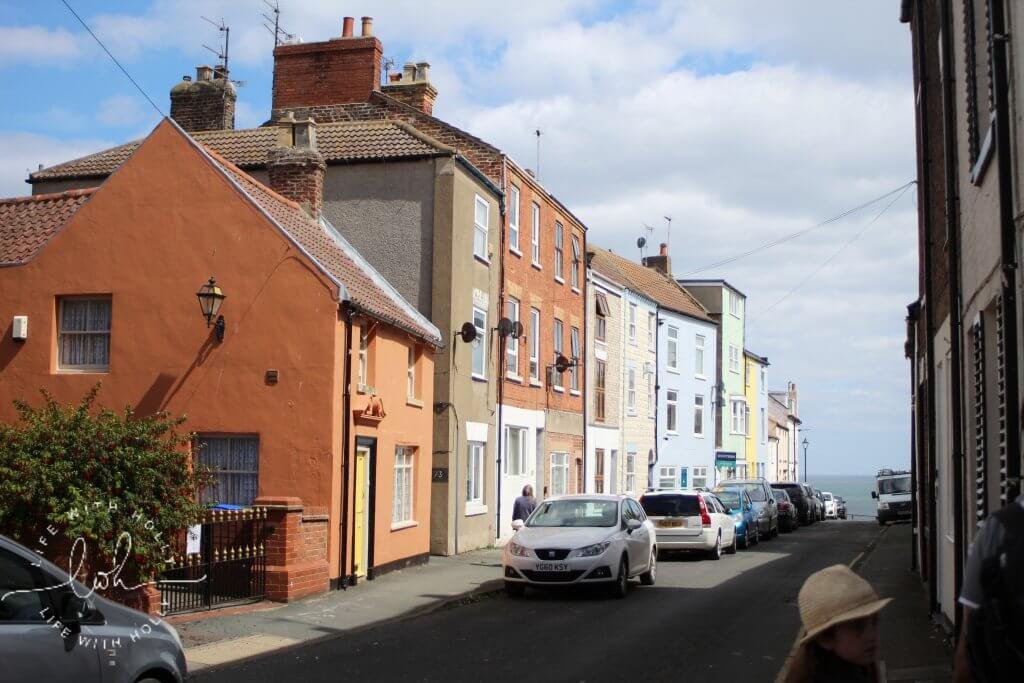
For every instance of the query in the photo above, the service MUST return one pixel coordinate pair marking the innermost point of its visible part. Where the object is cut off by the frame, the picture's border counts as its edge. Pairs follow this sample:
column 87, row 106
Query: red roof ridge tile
column 66, row 194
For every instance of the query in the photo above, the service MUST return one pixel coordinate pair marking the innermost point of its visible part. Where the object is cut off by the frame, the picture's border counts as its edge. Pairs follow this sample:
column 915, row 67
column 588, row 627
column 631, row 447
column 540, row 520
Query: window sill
column 630, row 413
column 512, row 377
column 398, row 526
column 735, row 372
column 482, row 260
column 537, row 265
column 475, row 509
column 559, row 389
column 575, row 392
column 535, row 383
column 575, row 289
column 83, row 371
column 479, row 378
column 703, row 378
column 560, row 280
column 515, row 251
column 414, row 402
column 698, row 436
column 671, row 433
column 674, row 371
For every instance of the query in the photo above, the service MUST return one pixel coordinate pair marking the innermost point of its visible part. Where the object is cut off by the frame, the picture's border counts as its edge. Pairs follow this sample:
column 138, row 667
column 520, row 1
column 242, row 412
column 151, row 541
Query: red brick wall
column 298, row 174
column 296, row 550
column 330, row 72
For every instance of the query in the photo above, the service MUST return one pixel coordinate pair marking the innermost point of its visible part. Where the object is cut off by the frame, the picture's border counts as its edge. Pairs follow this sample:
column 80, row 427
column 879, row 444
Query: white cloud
column 37, row 45
column 124, row 110
column 23, row 152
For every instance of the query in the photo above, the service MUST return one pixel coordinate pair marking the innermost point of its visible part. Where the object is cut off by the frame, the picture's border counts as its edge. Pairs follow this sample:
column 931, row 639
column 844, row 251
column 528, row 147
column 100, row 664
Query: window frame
column 574, row 266
column 574, row 349
column 631, row 324
column 482, row 230
column 698, row 415
column 559, row 259
column 630, row 471
column 411, row 361
column 403, row 468
column 521, row 435
column 204, row 438
column 535, row 235
column 698, row 472
column 564, row 467
column 734, row 359
column 699, row 344
column 63, row 334
column 476, row 456
column 557, row 331
column 513, row 220
column 534, row 341
column 652, row 331
column 668, row 473
column 600, row 389
column 738, row 423
column 631, row 390
column 672, row 348
column 512, row 308
column 735, row 307
column 481, row 343
column 671, row 411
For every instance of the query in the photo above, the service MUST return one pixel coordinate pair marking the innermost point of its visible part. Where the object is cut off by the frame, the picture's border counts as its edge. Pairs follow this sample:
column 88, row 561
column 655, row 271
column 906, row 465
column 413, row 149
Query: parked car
column 764, row 503
column 819, row 504
column 686, row 519
column 799, row 497
column 840, row 507
column 581, row 539
column 787, row 511
column 739, row 505
column 830, row 505
column 36, row 595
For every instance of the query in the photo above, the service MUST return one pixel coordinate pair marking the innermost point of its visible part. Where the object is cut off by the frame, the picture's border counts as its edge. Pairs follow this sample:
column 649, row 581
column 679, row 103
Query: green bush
column 69, row 472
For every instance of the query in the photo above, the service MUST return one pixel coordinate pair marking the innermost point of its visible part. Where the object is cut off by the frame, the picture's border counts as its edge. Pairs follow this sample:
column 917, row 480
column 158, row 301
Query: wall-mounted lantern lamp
column 210, row 299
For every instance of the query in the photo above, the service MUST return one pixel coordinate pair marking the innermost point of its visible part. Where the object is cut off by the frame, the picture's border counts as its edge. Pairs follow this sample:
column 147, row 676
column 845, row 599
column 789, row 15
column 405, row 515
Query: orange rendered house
column 318, row 378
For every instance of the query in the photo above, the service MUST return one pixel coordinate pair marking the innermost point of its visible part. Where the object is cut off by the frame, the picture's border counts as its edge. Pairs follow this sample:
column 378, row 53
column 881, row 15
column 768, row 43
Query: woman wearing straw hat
column 839, row 611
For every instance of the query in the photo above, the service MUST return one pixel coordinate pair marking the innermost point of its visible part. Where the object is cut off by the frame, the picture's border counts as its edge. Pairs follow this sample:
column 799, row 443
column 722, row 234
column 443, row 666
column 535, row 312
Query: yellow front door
column 360, row 526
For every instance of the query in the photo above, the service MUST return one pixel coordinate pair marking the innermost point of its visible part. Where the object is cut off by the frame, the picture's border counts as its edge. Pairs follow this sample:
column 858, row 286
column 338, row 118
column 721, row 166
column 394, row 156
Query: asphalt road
column 731, row 620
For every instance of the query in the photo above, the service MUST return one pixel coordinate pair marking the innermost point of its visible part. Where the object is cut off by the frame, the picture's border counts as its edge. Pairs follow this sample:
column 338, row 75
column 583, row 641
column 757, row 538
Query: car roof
column 587, row 496
column 676, row 492
column 735, row 482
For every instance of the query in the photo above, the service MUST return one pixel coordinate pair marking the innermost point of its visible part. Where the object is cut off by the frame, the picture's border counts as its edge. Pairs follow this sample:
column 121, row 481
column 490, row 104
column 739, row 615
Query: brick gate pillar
column 295, row 566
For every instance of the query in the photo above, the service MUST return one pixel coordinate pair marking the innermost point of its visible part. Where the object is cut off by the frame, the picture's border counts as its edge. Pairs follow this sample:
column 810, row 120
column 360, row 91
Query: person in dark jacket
column 839, row 611
column 524, row 505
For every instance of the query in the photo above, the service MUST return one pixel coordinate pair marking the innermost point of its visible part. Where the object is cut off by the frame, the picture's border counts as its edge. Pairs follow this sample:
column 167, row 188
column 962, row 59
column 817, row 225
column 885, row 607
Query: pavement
column 735, row 619
column 218, row 638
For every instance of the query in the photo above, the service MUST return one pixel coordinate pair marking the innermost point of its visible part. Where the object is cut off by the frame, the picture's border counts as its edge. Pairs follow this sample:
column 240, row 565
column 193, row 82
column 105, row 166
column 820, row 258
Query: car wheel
column 649, row 576
column 716, row 552
column 732, row 548
column 515, row 590
column 621, row 584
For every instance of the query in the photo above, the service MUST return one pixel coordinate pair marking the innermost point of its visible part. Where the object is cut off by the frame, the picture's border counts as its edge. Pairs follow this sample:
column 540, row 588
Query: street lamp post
column 806, row 444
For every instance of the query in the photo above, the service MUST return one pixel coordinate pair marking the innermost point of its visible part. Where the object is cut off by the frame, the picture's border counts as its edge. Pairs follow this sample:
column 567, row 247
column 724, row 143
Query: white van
column 895, row 499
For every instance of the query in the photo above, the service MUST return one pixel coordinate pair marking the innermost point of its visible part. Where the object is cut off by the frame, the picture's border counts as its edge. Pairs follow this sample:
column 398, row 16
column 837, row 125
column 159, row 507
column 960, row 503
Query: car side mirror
column 750, row 506
column 517, row 524
column 72, row 610
column 728, row 511
column 874, row 494
column 633, row 524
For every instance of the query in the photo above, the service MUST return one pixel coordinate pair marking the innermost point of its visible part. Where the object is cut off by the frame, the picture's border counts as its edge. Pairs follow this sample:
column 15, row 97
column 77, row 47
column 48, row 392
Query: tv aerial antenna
column 641, row 242
column 668, row 237
column 273, row 24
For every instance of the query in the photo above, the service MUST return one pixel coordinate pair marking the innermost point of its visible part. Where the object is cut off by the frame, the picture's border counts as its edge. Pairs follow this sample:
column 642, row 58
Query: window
column 671, row 409
column 513, row 219
column 699, row 477
column 511, row 343
column 652, row 326
column 559, row 236
column 735, row 305
column 672, row 348
column 558, row 332
column 475, row 481
column 577, row 257
column 535, row 239
column 364, row 346
column 698, row 364
column 667, row 477
column 698, row 415
column 978, row 76
column 601, row 324
column 515, row 451
column 480, row 343
column 734, row 359
column 401, row 503
column 600, row 369
column 574, row 348
column 599, row 470
column 632, row 324
column 631, row 471
column 534, row 344
column 650, row 394
column 411, row 374
column 83, row 341
column 16, row 574
column 631, row 391
column 480, row 221
column 559, row 473
column 235, row 461
column 739, row 416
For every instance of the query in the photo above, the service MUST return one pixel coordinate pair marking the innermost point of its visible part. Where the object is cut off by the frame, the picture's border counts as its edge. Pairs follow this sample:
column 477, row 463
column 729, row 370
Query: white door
column 514, row 472
column 946, row 521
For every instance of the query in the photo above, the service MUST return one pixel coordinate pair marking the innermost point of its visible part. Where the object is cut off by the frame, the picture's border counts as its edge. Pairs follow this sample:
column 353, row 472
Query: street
column 735, row 619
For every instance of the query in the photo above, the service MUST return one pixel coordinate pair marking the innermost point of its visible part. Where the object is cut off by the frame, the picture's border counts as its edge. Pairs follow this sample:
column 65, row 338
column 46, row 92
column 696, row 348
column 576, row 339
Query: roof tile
column 28, row 223
column 665, row 291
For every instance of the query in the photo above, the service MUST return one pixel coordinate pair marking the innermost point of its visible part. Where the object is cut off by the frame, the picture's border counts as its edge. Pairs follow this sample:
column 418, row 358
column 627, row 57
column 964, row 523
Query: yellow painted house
column 755, row 373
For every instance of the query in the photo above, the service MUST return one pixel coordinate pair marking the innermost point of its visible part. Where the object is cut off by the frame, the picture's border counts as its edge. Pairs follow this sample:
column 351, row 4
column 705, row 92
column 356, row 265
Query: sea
column 854, row 489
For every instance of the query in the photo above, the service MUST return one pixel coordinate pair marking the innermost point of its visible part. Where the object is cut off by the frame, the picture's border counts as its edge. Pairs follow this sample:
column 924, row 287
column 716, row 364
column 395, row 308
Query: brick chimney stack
column 310, row 77
column 661, row 263
column 207, row 103
column 413, row 87
column 295, row 167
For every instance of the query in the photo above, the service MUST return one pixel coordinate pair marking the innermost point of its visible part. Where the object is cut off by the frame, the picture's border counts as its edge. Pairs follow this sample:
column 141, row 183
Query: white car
column 581, row 539
column 687, row 519
column 831, row 509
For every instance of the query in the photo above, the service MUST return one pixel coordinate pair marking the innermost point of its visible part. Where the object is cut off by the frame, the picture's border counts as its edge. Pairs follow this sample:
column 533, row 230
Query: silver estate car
column 49, row 633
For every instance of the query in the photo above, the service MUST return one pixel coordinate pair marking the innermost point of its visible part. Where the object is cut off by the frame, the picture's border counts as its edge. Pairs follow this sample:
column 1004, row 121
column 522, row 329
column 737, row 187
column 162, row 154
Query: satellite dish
column 468, row 332
column 504, row 327
column 561, row 363
column 641, row 242
column 518, row 330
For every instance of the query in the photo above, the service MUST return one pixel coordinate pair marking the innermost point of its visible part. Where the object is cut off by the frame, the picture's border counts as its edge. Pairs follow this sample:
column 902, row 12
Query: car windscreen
column 794, row 491
column 670, row 505
column 730, row 498
column 779, row 494
column 575, row 513
column 828, row 496
column 756, row 492
column 894, row 485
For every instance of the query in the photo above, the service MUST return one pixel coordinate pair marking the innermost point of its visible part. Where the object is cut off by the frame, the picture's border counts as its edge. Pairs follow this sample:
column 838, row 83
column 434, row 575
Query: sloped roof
column 364, row 287
column 248, row 148
column 665, row 291
column 28, row 223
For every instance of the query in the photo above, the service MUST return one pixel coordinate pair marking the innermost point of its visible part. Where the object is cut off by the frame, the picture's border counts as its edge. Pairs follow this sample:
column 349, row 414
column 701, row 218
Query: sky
column 742, row 121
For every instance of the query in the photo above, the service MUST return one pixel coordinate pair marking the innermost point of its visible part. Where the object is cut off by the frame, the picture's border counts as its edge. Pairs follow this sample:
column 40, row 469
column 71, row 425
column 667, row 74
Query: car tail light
column 705, row 518
column 784, row 505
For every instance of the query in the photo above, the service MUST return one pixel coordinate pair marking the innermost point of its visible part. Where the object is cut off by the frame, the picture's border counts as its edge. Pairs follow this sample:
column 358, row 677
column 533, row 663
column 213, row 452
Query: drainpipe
column 955, row 311
column 998, row 39
column 582, row 374
column 500, row 397
column 346, row 448
column 924, row 216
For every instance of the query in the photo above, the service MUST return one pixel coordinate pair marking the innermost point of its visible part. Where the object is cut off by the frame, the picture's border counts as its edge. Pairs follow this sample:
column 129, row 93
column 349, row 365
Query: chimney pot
column 367, row 26
column 186, row 78
column 409, row 73
column 394, row 77
column 347, row 25
column 204, row 73
column 664, row 249
column 423, row 71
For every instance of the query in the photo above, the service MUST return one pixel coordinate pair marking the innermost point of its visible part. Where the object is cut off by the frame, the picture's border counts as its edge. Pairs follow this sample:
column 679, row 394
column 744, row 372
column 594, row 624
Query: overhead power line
column 799, row 233
column 835, row 254
column 113, row 58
